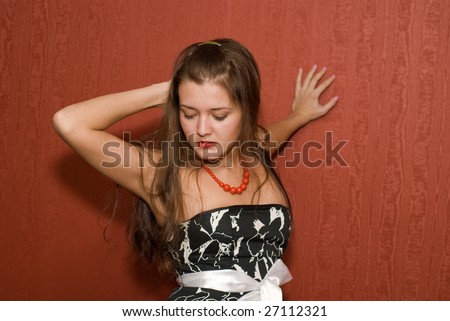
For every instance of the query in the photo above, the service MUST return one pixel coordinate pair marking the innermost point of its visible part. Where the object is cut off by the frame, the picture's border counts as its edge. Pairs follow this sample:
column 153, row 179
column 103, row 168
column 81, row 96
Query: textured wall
column 377, row 229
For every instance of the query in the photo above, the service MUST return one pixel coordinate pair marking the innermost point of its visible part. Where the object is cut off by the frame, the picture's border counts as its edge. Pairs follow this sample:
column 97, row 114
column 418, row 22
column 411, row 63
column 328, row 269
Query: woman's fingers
column 298, row 86
column 312, row 79
column 321, row 88
column 309, row 76
column 330, row 104
column 308, row 92
column 317, row 77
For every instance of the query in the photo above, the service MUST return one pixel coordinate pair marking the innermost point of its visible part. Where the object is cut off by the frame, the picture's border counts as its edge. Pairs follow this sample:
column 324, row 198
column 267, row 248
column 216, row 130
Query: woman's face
column 209, row 119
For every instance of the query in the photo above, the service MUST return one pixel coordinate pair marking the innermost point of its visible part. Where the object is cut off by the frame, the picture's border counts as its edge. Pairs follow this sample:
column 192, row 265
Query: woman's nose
column 203, row 126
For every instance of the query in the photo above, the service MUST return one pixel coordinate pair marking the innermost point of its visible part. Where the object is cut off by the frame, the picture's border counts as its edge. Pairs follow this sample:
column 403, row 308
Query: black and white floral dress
column 246, row 238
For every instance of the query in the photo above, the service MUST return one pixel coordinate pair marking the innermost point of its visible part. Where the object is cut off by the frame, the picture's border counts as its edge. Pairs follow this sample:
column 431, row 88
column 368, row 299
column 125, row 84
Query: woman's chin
column 210, row 154
column 209, row 157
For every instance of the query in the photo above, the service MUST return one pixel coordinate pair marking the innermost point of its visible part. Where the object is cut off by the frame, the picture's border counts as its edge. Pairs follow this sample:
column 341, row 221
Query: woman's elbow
column 61, row 122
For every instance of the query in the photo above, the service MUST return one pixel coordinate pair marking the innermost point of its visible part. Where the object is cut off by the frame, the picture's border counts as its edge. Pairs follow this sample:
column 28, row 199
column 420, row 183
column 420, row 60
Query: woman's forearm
column 101, row 112
column 282, row 130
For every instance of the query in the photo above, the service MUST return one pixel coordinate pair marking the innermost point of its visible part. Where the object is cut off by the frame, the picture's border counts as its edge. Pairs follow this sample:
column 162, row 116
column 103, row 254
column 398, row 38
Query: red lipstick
column 206, row 144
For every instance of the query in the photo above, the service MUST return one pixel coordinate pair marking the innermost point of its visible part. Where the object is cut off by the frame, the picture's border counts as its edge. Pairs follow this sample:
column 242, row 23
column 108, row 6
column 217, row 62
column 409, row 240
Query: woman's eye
column 220, row 118
column 188, row 116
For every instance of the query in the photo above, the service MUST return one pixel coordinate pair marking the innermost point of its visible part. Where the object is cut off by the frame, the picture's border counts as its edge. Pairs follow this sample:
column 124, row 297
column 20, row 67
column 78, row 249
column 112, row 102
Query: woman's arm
column 82, row 126
column 305, row 107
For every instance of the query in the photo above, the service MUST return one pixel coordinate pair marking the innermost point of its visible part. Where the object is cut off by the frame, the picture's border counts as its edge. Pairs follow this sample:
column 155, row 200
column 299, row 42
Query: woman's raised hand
column 307, row 93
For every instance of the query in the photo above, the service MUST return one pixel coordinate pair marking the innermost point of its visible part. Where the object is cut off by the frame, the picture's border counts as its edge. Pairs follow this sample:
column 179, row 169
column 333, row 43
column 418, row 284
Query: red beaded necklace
column 228, row 188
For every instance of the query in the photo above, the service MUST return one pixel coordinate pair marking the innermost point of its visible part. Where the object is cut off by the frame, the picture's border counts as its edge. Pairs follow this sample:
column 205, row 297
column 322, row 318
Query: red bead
column 228, row 188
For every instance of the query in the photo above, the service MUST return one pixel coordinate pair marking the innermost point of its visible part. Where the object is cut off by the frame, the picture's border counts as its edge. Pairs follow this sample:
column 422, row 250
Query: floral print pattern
column 246, row 238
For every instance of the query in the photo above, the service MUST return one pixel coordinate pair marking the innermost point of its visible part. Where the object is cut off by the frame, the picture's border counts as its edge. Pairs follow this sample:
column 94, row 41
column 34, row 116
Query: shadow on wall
column 110, row 253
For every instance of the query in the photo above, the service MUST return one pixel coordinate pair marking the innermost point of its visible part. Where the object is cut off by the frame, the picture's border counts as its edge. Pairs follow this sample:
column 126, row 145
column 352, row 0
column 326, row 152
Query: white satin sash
column 235, row 281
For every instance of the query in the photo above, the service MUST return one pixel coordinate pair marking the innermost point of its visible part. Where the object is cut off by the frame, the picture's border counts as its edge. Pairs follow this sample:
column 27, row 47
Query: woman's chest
column 201, row 192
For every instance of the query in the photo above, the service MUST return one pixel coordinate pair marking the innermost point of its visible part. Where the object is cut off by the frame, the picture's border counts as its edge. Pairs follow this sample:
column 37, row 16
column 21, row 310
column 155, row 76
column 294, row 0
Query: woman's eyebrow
column 214, row 109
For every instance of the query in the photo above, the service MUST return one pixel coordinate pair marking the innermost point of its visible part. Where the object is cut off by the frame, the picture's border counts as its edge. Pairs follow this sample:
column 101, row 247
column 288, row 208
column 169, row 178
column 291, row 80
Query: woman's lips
column 206, row 144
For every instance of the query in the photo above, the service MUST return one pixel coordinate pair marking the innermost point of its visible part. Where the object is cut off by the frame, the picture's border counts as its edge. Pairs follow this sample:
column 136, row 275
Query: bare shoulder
column 268, row 188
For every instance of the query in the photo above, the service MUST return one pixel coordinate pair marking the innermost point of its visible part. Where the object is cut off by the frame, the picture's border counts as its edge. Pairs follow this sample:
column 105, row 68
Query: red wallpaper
column 376, row 229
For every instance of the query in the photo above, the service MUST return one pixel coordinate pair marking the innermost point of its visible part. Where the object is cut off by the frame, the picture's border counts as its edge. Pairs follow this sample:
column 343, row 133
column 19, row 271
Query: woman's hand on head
column 307, row 93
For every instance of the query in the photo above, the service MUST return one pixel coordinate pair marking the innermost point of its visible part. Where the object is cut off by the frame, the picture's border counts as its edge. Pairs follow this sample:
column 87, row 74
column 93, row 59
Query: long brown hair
column 230, row 65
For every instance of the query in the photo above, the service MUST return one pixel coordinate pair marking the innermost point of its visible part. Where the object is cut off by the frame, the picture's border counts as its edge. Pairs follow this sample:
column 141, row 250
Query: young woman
column 209, row 203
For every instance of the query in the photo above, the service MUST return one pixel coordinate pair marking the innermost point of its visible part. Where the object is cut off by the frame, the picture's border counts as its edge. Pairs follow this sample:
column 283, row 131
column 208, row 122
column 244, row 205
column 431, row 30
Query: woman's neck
column 231, row 159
